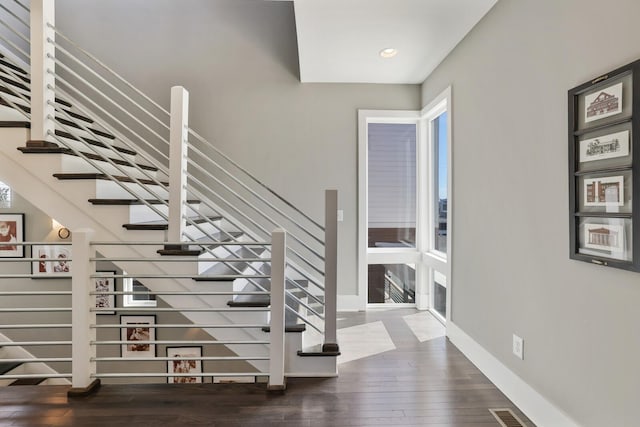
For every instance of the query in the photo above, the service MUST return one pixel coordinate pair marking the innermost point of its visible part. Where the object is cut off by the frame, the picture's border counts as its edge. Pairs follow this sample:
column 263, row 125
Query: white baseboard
column 539, row 410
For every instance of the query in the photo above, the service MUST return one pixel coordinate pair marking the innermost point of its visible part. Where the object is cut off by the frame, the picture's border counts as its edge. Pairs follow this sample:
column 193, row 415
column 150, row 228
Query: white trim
column 364, row 118
column 533, row 404
column 351, row 303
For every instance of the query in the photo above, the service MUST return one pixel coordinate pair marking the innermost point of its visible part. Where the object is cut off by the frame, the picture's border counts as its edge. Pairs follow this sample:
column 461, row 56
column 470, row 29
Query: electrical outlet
column 340, row 215
column 518, row 347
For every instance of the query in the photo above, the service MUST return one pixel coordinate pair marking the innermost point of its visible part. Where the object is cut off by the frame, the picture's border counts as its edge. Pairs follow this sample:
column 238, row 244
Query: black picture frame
column 105, row 301
column 12, row 230
column 604, row 170
column 195, row 366
column 126, row 351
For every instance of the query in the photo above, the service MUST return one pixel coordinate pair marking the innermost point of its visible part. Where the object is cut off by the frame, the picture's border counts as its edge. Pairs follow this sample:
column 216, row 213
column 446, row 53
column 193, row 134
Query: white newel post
column 330, row 270
column 179, row 134
column 81, row 316
column 276, row 334
column 42, row 82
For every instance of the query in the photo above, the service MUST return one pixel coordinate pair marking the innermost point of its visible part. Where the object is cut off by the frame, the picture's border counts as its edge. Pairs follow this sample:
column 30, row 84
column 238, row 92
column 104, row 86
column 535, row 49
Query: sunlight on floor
column 365, row 340
column 424, row 326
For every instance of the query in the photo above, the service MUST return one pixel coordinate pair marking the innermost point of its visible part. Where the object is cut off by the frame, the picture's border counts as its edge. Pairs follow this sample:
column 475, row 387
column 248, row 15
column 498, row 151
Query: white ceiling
column 340, row 40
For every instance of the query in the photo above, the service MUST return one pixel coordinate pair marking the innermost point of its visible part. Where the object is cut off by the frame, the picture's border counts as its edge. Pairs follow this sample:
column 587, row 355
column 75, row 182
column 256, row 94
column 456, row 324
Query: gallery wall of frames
column 604, row 115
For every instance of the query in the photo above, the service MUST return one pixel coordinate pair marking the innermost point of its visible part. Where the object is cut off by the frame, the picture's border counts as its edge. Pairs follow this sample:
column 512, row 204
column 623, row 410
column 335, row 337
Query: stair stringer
column 68, row 204
column 39, row 368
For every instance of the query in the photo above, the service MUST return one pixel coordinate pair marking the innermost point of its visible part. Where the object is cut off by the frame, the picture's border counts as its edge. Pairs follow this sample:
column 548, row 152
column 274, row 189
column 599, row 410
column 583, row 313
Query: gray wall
column 511, row 266
column 238, row 59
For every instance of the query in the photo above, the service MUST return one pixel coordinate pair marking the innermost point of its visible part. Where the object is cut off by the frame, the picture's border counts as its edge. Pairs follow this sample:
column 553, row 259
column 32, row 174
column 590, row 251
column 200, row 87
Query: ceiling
column 340, row 40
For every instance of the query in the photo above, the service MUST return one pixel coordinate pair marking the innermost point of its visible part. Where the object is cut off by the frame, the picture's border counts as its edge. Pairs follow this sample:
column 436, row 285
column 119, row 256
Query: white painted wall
column 511, row 266
column 238, row 59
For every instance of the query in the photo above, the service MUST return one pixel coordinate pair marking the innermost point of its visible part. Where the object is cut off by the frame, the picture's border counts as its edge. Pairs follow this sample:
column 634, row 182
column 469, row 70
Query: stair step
column 158, row 226
column 180, row 252
column 92, row 156
column 13, row 67
column 297, row 327
column 7, row 90
column 23, row 78
column 27, row 109
column 127, row 202
column 77, row 126
column 8, row 366
column 28, row 381
column 14, row 83
column 70, row 176
column 63, row 134
column 320, row 353
column 250, row 301
column 9, row 124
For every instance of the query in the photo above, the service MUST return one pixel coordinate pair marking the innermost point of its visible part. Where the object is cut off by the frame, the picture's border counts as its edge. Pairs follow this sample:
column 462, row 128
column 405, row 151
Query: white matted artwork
column 137, row 331
column 5, row 195
column 607, row 237
column 604, row 191
column 105, row 284
column 190, row 370
column 603, row 103
column 605, row 147
column 11, row 232
column 56, row 260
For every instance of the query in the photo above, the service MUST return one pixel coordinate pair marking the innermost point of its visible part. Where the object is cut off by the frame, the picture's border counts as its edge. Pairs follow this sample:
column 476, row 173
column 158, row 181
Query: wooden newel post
column 42, row 78
column 179, row 134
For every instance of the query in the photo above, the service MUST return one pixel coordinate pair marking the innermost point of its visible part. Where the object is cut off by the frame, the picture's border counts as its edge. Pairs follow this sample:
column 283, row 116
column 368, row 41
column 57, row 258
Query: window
column 146, row 299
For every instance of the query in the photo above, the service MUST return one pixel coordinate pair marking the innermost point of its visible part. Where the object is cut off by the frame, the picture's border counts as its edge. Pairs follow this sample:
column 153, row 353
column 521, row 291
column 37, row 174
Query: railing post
column 42, row 82
column 276, row 334
column 330, row 271
column 81, row 316
column 179, row 134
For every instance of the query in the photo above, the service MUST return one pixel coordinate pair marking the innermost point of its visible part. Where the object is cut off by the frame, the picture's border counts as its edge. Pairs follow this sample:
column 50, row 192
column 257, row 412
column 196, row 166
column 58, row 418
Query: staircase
column 195, row 231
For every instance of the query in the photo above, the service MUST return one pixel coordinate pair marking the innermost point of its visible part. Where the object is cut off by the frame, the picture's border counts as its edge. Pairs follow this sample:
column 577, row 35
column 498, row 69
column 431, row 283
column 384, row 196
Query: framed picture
column 603, row 103
column 11, row 231
column 183, row 365
column 137, row 332
column 606, row 237
column 605, row 191
column 59, row 263
column 105, row 301
column 604, row 147
column 5, row 195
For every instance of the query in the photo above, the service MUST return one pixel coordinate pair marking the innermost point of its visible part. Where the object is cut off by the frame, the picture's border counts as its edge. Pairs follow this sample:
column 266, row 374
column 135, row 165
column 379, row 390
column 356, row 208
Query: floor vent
column 506, row 418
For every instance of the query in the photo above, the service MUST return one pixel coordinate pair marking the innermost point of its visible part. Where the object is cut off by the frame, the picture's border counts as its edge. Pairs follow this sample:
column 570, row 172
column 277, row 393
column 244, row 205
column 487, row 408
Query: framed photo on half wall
column 604, row 169
column 11, row 232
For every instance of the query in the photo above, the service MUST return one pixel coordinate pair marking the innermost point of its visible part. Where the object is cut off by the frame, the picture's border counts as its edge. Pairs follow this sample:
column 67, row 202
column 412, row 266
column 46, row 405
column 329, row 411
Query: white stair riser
column 8, row 114
column 75, row 164
column 142, row 213
column 111, row 190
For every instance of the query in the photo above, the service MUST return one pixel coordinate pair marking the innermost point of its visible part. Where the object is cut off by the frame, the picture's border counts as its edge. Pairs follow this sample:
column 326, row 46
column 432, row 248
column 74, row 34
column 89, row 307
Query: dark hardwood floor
column 418, row 384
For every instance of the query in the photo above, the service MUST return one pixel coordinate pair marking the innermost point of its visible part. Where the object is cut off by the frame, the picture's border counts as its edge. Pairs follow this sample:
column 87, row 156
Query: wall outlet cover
column 518, row 347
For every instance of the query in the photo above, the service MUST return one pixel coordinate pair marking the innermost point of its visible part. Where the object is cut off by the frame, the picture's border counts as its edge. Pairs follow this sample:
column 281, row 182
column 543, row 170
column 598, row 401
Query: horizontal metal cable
column 165, row 375
column 35, row 276
column 182, row 325
column 38, row 360
column 16, row 17
column 207, row 243
column 103, row 80
column 181, row 259
column 15, row 46
column 24, row 376
column 97, row 61
column 31, row 343
column 221, row 277
column 32, row 293
column 21, row 5
column 153, row 359
column 195, row 293
column 186, row 343
column 195, row 309
column 40, row 326
column 127, row 142
column 35, row 310
column 304, row 319
column 254, row 193
column 282, row 199
column 41, row 243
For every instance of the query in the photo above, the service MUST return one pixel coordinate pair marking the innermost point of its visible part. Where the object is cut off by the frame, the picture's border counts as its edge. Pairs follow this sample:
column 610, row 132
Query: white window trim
column 128, row 301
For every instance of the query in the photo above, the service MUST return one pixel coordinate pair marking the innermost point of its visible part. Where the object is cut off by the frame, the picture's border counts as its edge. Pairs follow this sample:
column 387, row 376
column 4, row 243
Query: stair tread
column 98, row 132
column 91, row 175
column 92, row 156
column 27, row 109
column 13, row 67
column 14, row 124
column 319, row 353
column 63, row 134
column 133, row 201
column 294, row 327
column 8, row 366
column 28, row 381
column 164, row 226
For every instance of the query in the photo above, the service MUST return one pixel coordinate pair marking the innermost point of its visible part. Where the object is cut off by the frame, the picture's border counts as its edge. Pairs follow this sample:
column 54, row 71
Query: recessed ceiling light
column 388, row 52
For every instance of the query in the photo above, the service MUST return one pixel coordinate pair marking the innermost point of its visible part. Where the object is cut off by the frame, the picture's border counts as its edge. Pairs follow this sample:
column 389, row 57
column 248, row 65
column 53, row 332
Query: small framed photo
column 137, row 332
column 59, row 263
column 183, row 365
column 11, row 232
column 605, row 102
column 604, row 191
column 606, row 238
column 604, row 147
column 105, row 301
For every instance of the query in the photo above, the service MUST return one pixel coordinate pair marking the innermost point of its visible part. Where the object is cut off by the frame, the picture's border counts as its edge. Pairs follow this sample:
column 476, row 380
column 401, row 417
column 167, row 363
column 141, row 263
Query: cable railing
column 246, row 204
column 14, row 31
